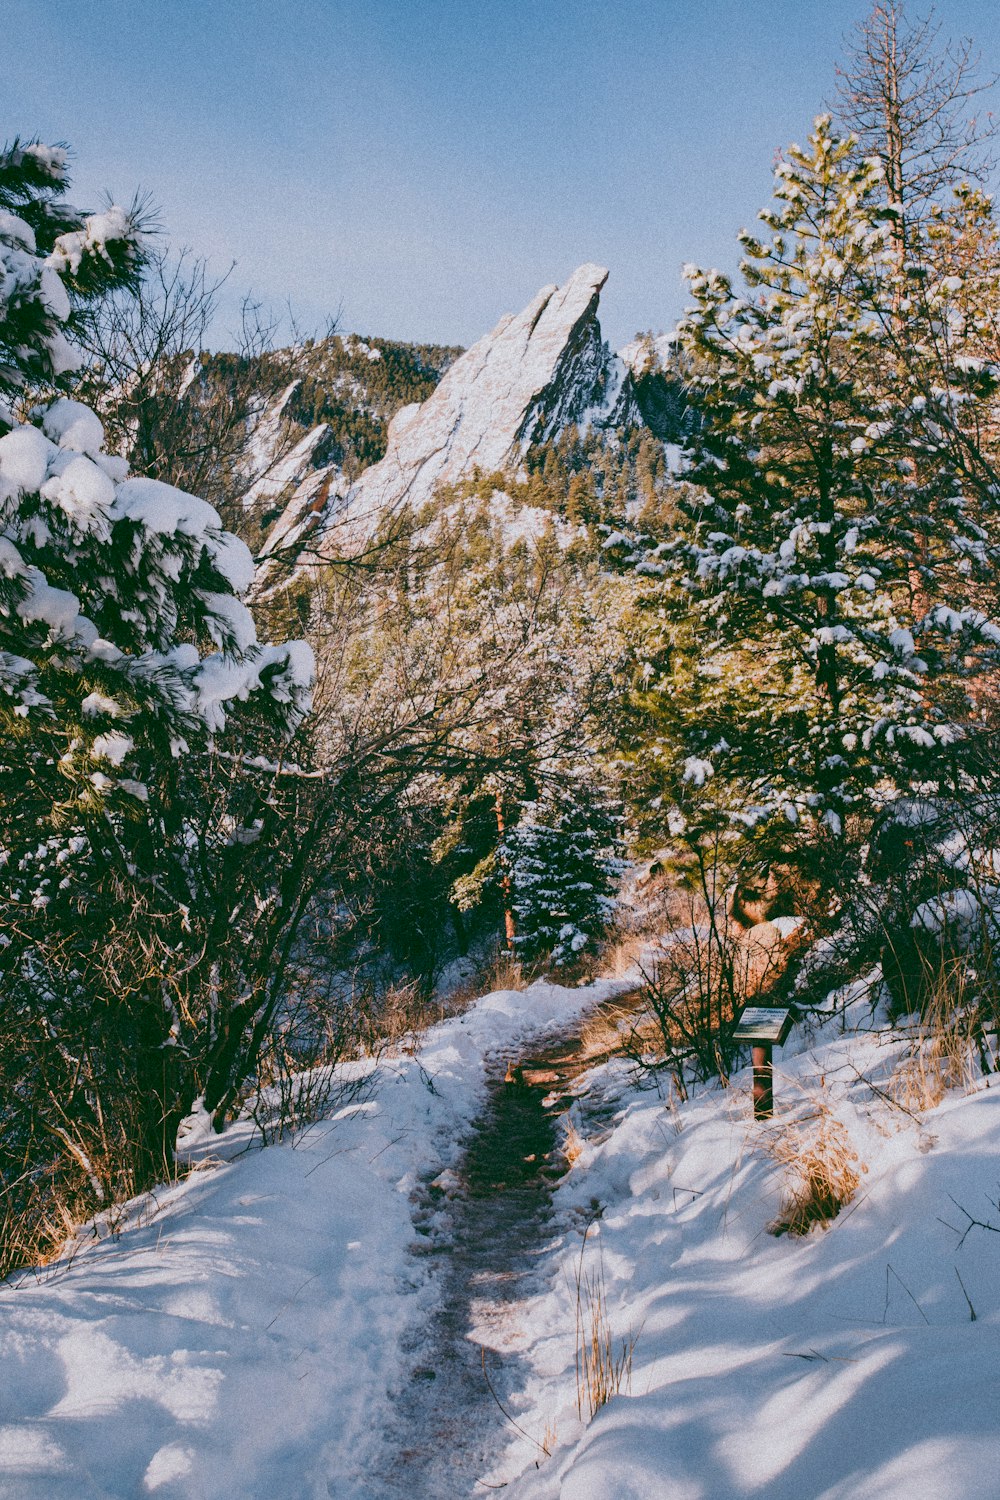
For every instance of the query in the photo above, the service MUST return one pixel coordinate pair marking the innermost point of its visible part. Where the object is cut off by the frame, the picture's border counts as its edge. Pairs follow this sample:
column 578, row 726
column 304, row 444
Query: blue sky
column 425, row 165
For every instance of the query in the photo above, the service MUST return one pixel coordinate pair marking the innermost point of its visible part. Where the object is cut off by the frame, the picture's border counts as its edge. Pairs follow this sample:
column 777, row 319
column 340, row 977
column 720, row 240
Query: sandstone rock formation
column 536, row 373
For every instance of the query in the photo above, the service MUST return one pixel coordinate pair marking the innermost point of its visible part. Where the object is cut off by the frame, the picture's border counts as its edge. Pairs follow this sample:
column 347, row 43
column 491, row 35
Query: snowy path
column 241, row 1336
column 486, row 1242
column 271, row 1330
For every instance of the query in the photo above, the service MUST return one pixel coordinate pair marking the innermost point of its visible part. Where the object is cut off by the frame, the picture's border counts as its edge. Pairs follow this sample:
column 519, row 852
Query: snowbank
column 237, row 1339
column 840, row 1366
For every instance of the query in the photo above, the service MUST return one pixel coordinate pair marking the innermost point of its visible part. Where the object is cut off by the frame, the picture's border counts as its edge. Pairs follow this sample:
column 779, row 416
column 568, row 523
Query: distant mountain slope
column 535, row 375
column 323, row 405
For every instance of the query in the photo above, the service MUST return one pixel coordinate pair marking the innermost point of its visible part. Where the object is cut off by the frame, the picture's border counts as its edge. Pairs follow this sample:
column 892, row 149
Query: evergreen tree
column 140, row 820
column 563, row 863
column 838, row 534
column 54, row 264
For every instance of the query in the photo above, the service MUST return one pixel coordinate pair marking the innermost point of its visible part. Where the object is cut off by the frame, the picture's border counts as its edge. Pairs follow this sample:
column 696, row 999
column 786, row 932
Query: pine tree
column 563, row 863
column 138, row 834
column 54, row 263
column 838, row 537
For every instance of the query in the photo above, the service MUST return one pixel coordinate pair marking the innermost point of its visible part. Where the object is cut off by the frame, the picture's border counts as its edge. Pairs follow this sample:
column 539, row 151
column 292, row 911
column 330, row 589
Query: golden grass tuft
column 826, row 1171
column 943, row 1052
column 571, row 1148
column 603, row 1030
column 603, row 1363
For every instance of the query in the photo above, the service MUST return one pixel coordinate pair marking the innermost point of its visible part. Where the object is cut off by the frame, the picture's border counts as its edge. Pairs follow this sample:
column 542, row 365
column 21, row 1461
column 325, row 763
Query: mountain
column 535, row 375
column 319, row 409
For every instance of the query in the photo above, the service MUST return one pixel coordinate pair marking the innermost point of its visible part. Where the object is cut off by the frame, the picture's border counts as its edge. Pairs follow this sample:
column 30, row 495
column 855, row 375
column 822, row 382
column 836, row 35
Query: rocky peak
column 537, row 372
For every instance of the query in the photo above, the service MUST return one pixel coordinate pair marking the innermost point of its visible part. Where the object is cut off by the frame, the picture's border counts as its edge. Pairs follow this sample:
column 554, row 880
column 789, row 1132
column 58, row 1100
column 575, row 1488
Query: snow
column 24, row 460
column 70, row 424
column 955, row 911
column 697, row 771
column 239, row 1334
column 84, row 492
column 51, row 159
column 236, row 1338
column 229, row 622
column 58, row 609
column 165, row 509
column 234, row 561
column 70, row 249
column 113, row 746
column 839, row 1366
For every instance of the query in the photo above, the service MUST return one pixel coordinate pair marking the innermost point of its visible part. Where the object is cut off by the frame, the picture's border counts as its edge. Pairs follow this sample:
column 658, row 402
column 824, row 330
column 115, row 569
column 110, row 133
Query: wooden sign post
column 764, row 1027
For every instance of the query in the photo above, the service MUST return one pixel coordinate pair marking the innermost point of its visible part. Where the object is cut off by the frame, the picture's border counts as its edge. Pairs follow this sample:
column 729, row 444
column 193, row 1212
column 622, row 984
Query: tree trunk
column 509, row 925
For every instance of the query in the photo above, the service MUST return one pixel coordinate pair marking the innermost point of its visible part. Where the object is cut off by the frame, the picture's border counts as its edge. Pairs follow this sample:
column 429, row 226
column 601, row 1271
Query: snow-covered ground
column 241, row 1336
column 844, row 1365
column 238, row 1338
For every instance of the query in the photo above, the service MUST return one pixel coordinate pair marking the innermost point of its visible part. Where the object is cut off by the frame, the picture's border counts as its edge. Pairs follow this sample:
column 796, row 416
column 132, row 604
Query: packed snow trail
column 264, row 1328
column 486, row 1239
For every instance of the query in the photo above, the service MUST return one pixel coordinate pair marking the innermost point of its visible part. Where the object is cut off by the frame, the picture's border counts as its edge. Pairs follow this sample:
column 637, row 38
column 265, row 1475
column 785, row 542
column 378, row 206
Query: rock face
column 536, row 373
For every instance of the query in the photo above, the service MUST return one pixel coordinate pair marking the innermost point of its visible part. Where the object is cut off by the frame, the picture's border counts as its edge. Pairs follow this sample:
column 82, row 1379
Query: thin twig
column 883, row 1095
column 518, row 1428
column 889, row 1267
column 972, row 1310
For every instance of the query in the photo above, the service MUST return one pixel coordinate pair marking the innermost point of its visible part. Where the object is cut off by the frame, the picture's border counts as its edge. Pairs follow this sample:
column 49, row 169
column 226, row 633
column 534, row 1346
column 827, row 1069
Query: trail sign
column 763, row 1023
column 764, row 1027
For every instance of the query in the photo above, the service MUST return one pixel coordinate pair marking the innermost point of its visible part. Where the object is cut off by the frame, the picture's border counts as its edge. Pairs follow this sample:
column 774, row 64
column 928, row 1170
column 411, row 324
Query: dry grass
column 943, row 1053
column 505, row 973
column 571, row 1148
column 401, row 1010
column 603, row 1363
column 826, row 1171
column 623, row 954
column 502, row 972
column 604, row 1030
column 34, row 1235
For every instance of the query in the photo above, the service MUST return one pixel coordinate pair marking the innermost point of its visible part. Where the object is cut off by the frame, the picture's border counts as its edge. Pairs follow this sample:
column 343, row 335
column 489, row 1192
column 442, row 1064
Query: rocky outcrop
column 535, row 374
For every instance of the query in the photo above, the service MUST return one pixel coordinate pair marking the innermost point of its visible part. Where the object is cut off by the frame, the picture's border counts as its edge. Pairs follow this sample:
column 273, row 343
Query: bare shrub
column 706, row 969
column 325, row 1022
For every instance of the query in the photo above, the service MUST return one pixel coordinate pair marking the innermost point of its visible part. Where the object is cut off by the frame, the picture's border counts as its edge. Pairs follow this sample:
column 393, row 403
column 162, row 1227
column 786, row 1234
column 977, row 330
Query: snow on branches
column 839, row 534
column 53, row 261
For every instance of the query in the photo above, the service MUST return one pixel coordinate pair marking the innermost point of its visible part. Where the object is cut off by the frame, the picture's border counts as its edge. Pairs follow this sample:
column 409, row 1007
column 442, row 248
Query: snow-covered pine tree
column 838, row 541
column 563, row 861
column 131, row 685
column 54, row 263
